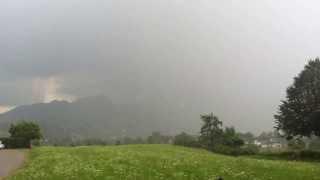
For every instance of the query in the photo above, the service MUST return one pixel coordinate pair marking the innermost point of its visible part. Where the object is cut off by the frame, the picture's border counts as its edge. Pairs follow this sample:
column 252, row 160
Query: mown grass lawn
column 159, row 162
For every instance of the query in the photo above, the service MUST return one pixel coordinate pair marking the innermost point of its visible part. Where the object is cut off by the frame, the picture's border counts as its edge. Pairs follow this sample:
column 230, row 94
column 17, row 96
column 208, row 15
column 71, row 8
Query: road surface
column 10, row 160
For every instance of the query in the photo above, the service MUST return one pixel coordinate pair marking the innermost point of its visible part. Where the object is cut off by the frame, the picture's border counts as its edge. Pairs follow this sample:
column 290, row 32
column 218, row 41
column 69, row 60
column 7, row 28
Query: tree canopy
column 212, row 134
column 27, row 130
column 211, row 131
column 299, row 113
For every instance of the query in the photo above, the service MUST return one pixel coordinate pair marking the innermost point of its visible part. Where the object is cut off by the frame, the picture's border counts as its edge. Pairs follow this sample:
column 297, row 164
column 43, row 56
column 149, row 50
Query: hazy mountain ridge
column 93, row 117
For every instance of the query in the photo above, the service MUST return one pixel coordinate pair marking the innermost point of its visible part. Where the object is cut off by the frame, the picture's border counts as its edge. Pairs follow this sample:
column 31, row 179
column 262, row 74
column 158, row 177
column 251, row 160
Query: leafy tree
column 299, row 114
column 211, row 131
column 27, row 130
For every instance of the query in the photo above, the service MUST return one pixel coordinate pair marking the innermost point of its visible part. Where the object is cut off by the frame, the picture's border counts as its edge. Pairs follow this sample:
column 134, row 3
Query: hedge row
column 305, row 155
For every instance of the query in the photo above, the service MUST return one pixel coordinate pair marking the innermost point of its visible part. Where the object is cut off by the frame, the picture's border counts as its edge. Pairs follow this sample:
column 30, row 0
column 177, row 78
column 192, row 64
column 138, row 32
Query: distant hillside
column 94, row 117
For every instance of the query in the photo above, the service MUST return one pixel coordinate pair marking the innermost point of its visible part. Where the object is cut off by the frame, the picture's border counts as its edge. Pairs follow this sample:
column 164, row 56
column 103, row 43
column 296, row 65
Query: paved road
column 10, row 160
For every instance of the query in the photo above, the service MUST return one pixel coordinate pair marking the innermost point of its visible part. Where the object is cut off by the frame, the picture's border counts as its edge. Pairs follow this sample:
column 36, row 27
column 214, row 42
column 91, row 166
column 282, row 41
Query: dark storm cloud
column 234, row 58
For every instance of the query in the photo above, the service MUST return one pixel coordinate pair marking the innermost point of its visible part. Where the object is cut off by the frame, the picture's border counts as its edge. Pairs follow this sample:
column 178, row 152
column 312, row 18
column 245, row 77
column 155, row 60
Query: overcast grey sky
column 232, row 57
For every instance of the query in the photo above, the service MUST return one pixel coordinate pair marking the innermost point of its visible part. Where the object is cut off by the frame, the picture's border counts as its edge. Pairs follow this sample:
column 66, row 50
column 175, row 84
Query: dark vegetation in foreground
column 304, row 155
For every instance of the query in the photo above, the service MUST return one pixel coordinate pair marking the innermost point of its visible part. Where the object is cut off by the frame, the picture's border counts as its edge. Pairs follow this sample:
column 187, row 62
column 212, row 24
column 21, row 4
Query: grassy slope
column 140, row 162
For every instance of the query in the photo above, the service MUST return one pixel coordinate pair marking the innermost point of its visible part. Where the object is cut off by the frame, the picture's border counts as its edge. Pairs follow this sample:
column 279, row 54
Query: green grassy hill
column 159, row 162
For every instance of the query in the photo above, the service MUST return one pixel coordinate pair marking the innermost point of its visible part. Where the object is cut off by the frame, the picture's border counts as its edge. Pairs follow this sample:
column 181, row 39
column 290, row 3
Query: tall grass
column 155, row 162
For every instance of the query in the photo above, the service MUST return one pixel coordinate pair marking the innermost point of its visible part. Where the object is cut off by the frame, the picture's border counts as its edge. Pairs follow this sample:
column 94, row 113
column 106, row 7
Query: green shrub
column 27, row 130
column 295, row 155
column 250, row 149
column 223, row 149
column 315, row 155
column 235, row 151
column 13, row 143
column 227, row 150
